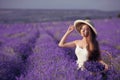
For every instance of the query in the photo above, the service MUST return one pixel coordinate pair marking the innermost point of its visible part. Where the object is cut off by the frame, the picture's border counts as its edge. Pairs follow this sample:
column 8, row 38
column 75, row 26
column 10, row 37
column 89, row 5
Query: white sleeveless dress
column 82, row 56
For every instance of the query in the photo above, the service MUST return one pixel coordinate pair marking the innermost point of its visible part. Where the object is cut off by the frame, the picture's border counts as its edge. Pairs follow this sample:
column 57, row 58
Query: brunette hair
column 93, row 48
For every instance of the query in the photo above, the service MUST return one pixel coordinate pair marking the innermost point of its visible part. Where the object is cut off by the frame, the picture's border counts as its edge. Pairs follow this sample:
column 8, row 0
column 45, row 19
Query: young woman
column 87, row 49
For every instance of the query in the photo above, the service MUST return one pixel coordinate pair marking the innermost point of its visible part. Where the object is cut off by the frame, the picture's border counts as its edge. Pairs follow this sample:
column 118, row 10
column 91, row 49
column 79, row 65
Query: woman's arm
column 62, row 42
column 102, row 62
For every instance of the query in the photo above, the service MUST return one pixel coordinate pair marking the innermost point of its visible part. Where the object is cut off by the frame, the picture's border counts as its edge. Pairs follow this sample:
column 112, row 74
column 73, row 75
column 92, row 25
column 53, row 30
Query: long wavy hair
column 93, row 48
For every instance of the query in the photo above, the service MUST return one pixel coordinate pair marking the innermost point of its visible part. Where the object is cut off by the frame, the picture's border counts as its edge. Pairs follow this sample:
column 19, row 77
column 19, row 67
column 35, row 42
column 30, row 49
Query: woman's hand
column 70, row 29
column 106, row 67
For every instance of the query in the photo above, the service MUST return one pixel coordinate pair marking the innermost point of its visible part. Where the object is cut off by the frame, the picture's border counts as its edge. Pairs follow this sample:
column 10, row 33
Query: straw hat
column 88, row 22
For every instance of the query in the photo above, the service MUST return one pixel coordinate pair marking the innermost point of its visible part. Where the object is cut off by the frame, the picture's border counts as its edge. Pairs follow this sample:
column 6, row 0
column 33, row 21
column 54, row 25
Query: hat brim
column 85, row 22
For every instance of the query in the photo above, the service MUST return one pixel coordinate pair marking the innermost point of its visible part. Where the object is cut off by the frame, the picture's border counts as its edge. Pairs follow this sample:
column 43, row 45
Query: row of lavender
column 48, row 61
column 16, row 43
column 34, row 48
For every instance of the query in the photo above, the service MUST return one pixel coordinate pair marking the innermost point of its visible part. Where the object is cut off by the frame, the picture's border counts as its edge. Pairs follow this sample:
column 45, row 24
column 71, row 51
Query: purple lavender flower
column 94, row 66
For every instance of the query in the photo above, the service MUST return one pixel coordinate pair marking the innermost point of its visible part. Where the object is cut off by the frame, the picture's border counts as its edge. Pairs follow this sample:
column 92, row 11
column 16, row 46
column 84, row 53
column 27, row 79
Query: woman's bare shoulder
column 77, row 41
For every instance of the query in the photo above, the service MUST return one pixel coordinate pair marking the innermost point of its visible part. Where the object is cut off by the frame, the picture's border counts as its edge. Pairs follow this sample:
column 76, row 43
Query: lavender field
column 29, row 51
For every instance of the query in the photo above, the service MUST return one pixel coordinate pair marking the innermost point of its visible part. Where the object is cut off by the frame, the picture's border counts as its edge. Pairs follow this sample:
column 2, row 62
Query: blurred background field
column 45, row 15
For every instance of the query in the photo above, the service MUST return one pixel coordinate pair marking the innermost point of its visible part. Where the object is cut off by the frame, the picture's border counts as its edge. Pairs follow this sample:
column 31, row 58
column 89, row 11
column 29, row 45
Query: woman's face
column 85, row 31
